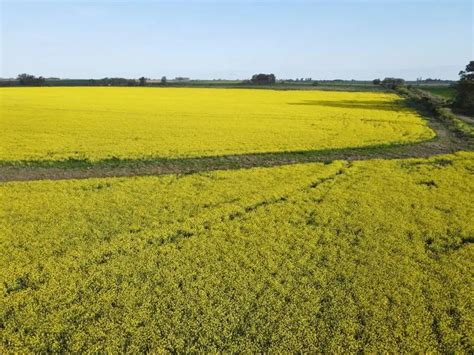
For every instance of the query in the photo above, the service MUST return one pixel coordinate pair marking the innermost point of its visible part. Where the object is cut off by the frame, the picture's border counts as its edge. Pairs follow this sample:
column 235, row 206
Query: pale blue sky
column 234, row 39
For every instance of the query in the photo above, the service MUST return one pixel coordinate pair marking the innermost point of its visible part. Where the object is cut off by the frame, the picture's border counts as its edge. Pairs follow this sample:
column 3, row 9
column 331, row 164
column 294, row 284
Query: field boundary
column 448, row 140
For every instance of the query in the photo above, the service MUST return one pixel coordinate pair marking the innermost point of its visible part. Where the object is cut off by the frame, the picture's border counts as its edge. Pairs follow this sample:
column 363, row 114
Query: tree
column 142, row 81
column 164, row 80
column 263, row 79
column 464, row 100
column 31, row 80
column 393, row 83
column 24, row 78
column 468, row 73
column 376, row 81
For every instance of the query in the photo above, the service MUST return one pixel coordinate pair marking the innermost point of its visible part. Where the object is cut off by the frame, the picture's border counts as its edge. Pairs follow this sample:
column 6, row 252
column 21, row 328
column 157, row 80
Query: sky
column 234, row 39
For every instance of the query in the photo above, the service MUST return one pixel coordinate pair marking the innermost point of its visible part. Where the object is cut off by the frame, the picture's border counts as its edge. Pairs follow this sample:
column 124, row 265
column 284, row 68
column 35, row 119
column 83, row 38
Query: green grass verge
column 446, row 92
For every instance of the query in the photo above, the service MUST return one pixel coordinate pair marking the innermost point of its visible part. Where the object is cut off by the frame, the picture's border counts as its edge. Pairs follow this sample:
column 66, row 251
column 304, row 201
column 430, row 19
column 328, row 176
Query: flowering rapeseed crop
column 372, row 256
column 101, row 123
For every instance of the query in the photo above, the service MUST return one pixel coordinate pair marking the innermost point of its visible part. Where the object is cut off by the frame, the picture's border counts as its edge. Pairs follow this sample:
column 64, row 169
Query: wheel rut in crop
column 446, row 141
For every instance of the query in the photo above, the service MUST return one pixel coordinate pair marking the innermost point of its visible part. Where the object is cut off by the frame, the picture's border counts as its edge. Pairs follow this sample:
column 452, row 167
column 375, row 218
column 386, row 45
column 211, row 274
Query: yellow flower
column 102, row 123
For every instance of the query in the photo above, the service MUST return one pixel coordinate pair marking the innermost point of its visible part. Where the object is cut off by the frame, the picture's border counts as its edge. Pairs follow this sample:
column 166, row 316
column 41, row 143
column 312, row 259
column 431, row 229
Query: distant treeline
column 258, row 80
column 464, row 100
column 31, row 80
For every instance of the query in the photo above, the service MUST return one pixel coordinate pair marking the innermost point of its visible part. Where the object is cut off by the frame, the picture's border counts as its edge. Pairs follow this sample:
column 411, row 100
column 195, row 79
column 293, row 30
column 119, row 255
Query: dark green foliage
column 263, row 79
column 438, row 106
column 465, row 88
column 393, row 83
column 30, row 80
column 113, row 82
column 468, row 73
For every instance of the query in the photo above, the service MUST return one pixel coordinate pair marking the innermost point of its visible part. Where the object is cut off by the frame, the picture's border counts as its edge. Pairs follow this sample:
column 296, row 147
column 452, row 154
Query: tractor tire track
column 445, row 142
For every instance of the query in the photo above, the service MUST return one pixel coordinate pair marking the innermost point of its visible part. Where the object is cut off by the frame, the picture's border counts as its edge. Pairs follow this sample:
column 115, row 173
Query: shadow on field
column 397, row 105
column 83, row 169
column 447, row 141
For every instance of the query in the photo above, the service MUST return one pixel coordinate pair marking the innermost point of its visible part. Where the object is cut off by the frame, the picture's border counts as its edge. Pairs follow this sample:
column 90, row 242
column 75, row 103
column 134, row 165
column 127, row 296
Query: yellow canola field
column 139, row 123
column 370, row 256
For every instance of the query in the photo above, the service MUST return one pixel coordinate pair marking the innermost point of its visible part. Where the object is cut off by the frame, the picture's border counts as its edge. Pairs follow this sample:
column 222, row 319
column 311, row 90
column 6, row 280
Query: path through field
column 445, row 142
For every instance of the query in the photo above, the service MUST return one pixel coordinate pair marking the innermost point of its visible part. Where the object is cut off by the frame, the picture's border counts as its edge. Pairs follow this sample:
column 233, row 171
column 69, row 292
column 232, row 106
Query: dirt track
column 445, row 142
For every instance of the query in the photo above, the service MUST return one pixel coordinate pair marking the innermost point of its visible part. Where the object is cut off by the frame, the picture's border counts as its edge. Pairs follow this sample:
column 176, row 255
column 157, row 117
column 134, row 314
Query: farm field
column 372, row 256
column 236, row 177
column 447, row 92
column 95, row 124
